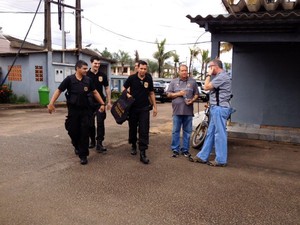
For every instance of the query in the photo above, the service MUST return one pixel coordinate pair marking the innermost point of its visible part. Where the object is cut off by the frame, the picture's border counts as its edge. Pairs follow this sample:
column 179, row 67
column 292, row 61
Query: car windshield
column 199, row 84
column 156, row 84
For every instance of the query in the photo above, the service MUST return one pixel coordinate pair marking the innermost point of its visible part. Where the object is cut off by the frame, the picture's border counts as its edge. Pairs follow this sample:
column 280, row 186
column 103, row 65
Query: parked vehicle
column 203, row 95
column 202, row 84
column 164, row 82
column 114, row 89
column 166, row 85
column 159, row 91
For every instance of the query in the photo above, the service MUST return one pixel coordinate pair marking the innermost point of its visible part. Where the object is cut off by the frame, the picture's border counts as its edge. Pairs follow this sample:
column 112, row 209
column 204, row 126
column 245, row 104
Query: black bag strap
column 124, row 94
column 217, row 96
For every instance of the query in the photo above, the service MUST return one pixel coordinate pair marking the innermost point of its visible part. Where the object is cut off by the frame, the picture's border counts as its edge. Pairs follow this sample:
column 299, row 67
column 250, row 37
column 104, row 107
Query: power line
column 138, row 40
column 18, row 53
column 113, row 32
column 121, row 35
column 23, row 12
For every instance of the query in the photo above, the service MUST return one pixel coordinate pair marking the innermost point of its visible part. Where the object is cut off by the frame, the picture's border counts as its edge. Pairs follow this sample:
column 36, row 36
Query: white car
column 203, row 95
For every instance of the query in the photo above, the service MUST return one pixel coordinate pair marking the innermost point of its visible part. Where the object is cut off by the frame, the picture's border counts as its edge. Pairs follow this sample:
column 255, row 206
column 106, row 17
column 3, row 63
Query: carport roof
column 254, row 16
column 282, row 21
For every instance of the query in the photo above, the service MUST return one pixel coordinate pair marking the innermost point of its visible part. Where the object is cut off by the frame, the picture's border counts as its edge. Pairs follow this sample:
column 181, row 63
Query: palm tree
column 204, row 60
column 106, row 54
column 225, row 47
column 123, row 58
column 152, row 66
column 194, row 52
column 227, row 66
column 176, row 61
column 161, row 55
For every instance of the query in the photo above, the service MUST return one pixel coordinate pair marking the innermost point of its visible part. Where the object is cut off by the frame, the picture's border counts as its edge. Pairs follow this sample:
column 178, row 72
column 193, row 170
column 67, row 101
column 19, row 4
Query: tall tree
column 106, row 54
column 204, row 60
column 176, row 61
column 194, row 52
column 136, row 59
column 227, row 66
column 225, row 47
column 123, row 58
column 152, row 66
column 136, row 56
column 161, row 55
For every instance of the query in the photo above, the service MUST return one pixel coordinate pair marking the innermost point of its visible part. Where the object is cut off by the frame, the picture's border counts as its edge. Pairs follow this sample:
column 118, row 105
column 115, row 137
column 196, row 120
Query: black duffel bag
column 120, row 108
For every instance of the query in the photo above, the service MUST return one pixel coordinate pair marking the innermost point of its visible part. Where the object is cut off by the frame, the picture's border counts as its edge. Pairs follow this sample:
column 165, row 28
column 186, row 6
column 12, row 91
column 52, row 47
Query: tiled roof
column 10, row 46
column 16, row 43
column 282, row 21
column 260, row 5
column 4, row 44
column 279, row 16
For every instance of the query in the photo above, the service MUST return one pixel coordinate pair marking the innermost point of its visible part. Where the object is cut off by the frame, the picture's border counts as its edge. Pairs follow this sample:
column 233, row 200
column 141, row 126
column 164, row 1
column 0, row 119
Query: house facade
column 118, row 69
column 266, row 51
column 36, row 67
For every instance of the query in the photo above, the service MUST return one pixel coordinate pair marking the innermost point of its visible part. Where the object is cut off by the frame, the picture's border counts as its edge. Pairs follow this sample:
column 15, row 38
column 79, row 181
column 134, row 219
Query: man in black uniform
column 78, row 87
column 140, row 86
column 100, row 80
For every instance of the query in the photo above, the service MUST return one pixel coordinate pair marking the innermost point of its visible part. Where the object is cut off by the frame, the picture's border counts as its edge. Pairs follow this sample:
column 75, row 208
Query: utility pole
column 47, row 40
column 47, row 26
column 63, row 36
column 78, row 26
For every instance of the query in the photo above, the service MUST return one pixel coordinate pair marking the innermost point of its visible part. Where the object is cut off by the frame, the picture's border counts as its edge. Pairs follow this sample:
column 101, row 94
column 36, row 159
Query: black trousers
column 101, row 116
column 77, row 125
column 139, row 122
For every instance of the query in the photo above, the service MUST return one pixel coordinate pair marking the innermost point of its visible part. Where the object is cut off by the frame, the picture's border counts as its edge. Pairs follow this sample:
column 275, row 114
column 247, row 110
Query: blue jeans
column 216, row 135
column 186, row 123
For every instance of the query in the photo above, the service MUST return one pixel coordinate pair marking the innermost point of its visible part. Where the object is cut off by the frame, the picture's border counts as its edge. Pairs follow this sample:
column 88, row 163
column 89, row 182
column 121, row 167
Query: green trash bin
column 44, row 95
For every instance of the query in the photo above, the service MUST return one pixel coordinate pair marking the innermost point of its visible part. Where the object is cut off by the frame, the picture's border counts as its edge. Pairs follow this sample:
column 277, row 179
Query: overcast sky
column 117, row 24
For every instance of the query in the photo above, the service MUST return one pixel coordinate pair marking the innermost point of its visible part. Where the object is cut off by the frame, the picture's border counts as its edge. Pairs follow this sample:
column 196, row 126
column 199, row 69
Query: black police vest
column 78, row 92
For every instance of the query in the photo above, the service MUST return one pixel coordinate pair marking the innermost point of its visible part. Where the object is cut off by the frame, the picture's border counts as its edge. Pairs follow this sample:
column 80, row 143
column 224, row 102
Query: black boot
column 133, row 149
column 76, row 151
column 92, row 144
column 83, row 160
column 143, row 157
column 100, row 148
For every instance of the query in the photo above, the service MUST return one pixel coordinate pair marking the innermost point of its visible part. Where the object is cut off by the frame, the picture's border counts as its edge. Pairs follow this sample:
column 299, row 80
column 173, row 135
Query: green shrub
column 18, row 99
column 115, row 96
column 5, row 93
column 13, row 98
column 22, row 99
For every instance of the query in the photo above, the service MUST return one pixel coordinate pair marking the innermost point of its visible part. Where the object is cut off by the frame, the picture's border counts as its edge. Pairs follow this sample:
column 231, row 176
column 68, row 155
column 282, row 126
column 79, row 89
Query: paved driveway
column 42, row 182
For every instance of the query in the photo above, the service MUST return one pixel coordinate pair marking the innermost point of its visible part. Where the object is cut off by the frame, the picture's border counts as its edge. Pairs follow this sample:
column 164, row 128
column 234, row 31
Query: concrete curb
column 29, row 106
column 235, row 130
column 256, row 132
